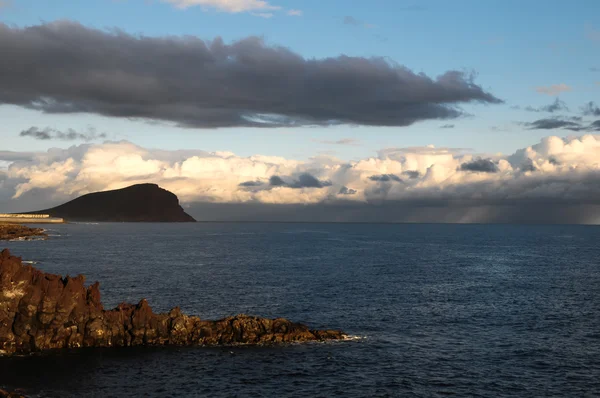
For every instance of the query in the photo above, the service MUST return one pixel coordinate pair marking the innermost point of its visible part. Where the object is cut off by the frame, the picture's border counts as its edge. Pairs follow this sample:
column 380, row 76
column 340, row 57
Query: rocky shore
column 40, row 311
column 10, row 394
column 17, row 231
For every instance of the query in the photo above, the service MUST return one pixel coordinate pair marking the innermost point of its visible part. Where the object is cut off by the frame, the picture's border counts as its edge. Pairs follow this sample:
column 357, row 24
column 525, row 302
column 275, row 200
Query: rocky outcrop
column 137, row 203
column 10, row 394
column 40, row 311
column 16, row 231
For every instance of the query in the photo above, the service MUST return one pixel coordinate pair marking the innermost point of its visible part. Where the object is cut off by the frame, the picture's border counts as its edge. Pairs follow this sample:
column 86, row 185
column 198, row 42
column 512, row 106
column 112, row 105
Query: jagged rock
column 10, row 394
column 17, row 231
column 40, row 311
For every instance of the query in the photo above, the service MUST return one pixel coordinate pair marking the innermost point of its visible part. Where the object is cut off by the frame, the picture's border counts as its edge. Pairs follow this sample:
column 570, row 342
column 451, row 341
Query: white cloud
column 556, row 168
column 295, row 13
column 554, row 89
column 231, row 6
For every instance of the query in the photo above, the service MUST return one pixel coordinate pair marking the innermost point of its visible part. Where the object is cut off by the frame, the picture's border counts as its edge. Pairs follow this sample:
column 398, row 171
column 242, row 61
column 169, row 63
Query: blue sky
column 513, row 46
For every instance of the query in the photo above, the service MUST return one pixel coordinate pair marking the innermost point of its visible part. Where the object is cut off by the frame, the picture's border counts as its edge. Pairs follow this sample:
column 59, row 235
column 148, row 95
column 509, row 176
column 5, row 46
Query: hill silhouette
column 137, row 203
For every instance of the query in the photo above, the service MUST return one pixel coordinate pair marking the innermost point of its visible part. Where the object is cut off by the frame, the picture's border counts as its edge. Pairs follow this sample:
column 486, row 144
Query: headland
column 41, row 312
column 136, row 203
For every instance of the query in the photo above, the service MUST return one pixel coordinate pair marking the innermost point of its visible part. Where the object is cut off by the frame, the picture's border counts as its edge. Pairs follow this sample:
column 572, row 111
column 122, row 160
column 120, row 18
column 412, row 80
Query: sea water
column 433, row 310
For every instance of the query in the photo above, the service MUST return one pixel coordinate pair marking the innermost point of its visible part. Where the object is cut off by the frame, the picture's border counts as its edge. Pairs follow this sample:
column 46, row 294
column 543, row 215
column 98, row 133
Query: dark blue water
column 464, row 310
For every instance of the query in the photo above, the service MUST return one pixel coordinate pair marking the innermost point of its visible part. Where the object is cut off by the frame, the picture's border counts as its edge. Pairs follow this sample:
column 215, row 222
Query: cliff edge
column 137, row 203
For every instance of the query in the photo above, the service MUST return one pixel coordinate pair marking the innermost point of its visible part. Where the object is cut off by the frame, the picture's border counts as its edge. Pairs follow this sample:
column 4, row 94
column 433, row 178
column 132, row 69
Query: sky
column 465, row 107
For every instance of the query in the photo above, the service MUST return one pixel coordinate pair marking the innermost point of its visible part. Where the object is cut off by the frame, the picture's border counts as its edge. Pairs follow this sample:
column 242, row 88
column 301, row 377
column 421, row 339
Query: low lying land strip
column 16, row 231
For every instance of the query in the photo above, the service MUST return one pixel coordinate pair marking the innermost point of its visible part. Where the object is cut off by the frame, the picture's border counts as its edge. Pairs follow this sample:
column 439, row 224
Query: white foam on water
column 352, row 337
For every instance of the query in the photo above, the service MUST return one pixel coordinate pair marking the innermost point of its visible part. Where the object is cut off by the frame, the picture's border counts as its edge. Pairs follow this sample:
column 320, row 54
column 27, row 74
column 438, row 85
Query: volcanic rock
column 40, row 311
column 10, row 394
column 137, row 203
column 16, row 231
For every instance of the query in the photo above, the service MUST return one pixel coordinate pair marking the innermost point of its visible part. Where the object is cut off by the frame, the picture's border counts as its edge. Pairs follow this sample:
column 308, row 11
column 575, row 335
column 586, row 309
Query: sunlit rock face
column 20, row 232
column 40, row 311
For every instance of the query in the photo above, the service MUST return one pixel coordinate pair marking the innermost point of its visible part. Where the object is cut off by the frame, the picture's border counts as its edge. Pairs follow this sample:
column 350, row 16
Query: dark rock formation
column 137, row 203
column 10, row 394
column 40, row 311
column 16, row 231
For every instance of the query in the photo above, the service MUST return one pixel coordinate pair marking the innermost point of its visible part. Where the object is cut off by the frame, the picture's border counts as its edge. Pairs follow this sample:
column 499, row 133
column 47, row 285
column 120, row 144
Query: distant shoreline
column 29, row 219
column 12, row 231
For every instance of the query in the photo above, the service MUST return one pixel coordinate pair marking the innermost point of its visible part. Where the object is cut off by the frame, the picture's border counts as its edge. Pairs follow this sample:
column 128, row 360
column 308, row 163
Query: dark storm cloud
column 309, row 181
column 385, row 178
column 556, row 106
column 64, row 67
column 68, row 135
column 572, row 123
column 553, row 123
column 591, row 109
column 595, row 126
column 511, row 211
column 251, row 184
column 304, row 180
column 412, row 174
column 480, row 165
column 528, row 166
column 346, row 191
column 276, row 181
column 36, row 133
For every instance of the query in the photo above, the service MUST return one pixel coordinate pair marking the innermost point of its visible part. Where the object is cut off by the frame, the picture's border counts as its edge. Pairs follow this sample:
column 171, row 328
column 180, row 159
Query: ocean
column 433, row 310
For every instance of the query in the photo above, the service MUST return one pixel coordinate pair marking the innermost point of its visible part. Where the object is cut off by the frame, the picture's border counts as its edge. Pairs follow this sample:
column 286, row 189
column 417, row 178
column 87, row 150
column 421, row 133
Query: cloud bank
column 555, row 172
column 573, row 123
column 211, row 84
column 68, row 135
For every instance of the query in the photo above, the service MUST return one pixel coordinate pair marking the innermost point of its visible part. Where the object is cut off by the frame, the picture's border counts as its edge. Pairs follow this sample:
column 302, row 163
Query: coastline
column 10, row 394
column 10, row 231
column 44, row 312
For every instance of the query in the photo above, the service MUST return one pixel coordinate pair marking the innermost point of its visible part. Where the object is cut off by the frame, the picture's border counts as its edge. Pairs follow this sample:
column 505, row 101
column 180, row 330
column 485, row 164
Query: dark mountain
column 137, row 203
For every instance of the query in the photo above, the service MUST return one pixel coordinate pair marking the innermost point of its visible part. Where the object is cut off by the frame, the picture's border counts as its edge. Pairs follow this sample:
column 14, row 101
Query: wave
column 354, row 337
column 27, row 238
